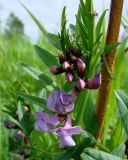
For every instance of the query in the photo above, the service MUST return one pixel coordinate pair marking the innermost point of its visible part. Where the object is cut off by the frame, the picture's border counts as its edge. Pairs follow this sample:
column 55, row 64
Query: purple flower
column 95, row 82
column 58, row 102
column 66, row 133
column 45, row 121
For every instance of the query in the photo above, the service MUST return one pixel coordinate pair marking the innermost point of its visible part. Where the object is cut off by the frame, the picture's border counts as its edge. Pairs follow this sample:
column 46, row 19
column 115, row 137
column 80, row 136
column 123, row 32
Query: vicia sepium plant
column 65, row 106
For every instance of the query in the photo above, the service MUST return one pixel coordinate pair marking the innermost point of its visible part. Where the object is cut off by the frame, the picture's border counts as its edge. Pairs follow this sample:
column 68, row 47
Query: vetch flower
column 61, row 103
column 56, row 102
column 95, row 82
column 65, row 133
column 45, row 121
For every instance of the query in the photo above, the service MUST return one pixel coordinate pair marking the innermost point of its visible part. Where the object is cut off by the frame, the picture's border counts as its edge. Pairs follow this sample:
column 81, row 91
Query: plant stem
column 112, row 37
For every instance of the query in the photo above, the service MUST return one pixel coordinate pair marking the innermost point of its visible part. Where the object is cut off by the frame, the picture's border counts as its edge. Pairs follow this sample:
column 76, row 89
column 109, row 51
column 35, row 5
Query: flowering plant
column 65, row 106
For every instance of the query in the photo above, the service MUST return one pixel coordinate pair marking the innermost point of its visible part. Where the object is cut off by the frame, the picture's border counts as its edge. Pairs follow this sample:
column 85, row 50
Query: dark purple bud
column 26, row 155
column 72, row 58
column 7, row 124
column 26, row 141
column 19, row 135
column 65, row 66
column 21, row 150
column 56, row 70
column 62, row 58
column 69, row 77
column 17, row 115
column 80, row 67
column 76, row 52
column 80, row 84
column 95, row 82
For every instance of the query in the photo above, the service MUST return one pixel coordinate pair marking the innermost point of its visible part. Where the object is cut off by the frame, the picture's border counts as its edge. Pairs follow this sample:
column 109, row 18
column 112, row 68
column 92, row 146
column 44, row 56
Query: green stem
column 80, row 111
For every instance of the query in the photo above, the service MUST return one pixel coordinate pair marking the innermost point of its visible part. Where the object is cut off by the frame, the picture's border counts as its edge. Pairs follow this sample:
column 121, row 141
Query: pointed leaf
column 109, row 47
column 123, row 108
column 98, row 155
column 27, row 123
column 99, row 24
column 37, row 74
column 46, row 57
column 119, row 151
column 33, row 99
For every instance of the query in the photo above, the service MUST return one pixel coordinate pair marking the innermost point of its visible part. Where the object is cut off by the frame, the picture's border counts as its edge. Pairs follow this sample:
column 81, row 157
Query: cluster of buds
column 23, row 153
column 73, row 64
column 19, row 134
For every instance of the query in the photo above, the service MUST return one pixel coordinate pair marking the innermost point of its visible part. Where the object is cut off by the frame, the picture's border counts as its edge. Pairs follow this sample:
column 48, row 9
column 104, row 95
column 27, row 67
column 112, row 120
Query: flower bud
column 26, row 141
column 21, row 150
column 72, row 58
column 7, row 125
column 76, row 52
column 62, row 58
column 80, row 67
column 19, row 135
column 69, row 77
column 17, row 115
column 56, row 70
column 80, row 84
column 95, row 82
column 65, row 66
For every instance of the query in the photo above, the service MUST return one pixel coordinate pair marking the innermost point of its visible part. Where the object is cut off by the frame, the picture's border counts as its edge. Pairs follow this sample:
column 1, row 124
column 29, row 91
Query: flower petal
column 42, row 125
column 95, row 82
column 55, row 104
column 66, row 141
column 48, row 118
column 69, row 131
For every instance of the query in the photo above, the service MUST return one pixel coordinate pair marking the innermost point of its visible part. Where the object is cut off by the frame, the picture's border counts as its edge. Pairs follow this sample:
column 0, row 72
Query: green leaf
column 119, row 151
column 37, row 74
column 116, row 134
column 88, row 135
column 63, row 17
column 33, row 99
column 27, row 123
column 99, row 24
column 46, row 57
column 94, row 154
column 89, row 118
column 13, row 120
column 109, row 47
column 21, row 110
column 123, row 108
column 54, row 39
column 35, row 19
